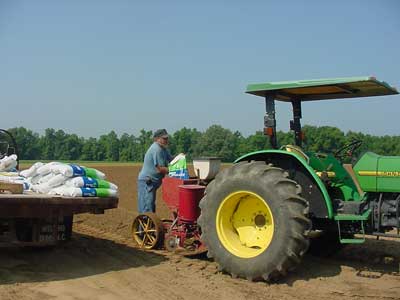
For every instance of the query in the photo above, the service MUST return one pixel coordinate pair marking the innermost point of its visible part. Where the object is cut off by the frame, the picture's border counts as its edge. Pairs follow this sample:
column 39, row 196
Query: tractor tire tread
column 294, row 206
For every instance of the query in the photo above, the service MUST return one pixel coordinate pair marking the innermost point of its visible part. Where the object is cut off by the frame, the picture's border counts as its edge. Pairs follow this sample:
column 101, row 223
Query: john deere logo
column 380, row 173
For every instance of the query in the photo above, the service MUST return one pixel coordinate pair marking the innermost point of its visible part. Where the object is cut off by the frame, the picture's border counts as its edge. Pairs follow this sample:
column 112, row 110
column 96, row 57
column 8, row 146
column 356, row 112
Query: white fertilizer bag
column 88, row 182
column 32, row 171
column 8, row 163
column 43, row 188
column 34, row 180
column 46, row 178
column 69, row 191
column 56, row 180
column 70, row 170
column 46, row 169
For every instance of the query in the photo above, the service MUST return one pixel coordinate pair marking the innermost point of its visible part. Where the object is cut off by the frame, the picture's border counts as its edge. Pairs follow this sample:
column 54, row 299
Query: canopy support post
column 269, row 120
column 295, row 124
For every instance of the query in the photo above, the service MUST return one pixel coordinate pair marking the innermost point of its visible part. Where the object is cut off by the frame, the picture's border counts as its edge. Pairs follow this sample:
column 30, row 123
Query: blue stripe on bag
column 88, row 192
column 90, row 182
column 77, row 170
column 181, row 174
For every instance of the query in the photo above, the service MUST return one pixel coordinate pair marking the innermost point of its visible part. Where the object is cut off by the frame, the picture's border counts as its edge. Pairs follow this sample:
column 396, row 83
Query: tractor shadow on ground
column 83, row 256
column 373, row 259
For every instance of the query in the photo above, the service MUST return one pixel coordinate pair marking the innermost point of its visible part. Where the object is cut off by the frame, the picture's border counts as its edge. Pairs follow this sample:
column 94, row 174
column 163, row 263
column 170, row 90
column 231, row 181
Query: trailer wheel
column 254, row 221
column 147, row 231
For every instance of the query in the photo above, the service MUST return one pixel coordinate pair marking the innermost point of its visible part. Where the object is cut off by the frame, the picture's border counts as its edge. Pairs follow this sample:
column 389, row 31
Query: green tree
column 323, row 139
column 143, row 142
column 127, row 147
column 109, row 147
column 72, row 147
column 89, row 149
column 48, row 143
column 27, row 143
column 185, row 141
column 217, row 141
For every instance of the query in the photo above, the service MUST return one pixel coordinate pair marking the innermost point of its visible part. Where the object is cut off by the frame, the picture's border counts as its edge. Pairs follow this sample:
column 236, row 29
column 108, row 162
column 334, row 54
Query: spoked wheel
column 147, row 230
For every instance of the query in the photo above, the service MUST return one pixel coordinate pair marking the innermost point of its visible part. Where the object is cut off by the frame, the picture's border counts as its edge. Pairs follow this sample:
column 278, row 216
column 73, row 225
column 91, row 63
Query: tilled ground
column 101, row 262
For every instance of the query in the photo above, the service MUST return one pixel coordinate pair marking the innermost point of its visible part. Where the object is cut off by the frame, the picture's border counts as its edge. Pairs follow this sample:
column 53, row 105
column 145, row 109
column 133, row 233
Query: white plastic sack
column 46, row 169
column 56, row 180
column 35, row 179
column 32, row 171
column 43, row 188
column 68, row 191
column 71, row 170
column 8, row 163
column 82, row 181
column 46, row 178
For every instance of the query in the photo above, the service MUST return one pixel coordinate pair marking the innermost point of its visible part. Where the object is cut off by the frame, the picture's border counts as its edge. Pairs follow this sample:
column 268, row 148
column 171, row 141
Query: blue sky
column 89, row 67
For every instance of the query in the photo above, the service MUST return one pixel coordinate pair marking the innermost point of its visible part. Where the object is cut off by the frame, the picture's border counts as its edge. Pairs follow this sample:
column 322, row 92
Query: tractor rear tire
column 254, row 221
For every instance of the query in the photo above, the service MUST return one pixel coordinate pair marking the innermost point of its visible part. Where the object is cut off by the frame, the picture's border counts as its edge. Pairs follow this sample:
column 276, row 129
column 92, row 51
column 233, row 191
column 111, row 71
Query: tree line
column 214, row 141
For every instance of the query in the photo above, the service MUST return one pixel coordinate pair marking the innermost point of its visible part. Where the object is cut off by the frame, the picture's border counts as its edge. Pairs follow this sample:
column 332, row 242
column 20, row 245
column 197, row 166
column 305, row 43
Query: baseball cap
column 160, row 133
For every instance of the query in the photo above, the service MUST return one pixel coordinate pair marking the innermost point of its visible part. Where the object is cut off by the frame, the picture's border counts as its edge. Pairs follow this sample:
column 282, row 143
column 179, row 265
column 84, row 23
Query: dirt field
column 101, row 262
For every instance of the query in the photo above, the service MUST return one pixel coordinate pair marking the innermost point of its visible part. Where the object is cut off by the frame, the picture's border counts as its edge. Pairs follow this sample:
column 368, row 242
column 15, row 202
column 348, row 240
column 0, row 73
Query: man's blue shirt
column 155, row 156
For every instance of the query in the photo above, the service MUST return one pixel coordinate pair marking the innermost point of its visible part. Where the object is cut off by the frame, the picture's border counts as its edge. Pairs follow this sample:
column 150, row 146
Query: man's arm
column 157, row 159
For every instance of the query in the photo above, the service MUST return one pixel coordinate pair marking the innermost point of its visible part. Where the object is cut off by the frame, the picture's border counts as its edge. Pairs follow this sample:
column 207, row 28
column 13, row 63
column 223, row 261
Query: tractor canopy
column 296, row 92
column 322, row 89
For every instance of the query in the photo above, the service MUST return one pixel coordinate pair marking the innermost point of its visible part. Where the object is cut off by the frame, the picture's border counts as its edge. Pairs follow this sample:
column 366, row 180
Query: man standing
column 155, row 167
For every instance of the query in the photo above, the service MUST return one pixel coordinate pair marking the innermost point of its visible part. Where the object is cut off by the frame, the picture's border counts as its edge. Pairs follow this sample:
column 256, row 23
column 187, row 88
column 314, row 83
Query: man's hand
column 162, row 170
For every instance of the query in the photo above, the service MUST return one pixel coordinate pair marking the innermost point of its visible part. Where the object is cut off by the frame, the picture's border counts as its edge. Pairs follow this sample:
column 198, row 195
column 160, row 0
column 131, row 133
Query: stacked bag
column 8, row 163
column 69, row 180
column 8, row 171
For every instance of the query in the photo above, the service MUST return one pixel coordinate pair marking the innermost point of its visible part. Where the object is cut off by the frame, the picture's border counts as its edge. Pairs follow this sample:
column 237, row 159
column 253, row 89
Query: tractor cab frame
column 297, row 92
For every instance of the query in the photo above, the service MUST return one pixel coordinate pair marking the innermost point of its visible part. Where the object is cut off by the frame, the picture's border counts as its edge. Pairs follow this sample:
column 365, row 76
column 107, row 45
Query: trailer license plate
column 47, row 233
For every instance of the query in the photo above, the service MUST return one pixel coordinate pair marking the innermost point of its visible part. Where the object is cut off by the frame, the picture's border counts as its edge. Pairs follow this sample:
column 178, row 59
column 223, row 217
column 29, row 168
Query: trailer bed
column 38, row 220
column 38, row 205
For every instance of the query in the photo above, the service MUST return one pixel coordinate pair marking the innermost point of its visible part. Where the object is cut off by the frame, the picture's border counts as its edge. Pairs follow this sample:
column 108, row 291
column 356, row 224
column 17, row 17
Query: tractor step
column 346, row 218
column 352, row 217
column 352, row 241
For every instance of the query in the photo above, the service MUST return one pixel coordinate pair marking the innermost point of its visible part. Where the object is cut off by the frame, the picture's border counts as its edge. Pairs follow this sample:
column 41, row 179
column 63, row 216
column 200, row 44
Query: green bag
column 178, row 167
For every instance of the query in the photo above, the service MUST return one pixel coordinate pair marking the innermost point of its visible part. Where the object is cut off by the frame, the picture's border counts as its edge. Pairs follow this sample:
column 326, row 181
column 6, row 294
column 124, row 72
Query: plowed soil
column 101, row 262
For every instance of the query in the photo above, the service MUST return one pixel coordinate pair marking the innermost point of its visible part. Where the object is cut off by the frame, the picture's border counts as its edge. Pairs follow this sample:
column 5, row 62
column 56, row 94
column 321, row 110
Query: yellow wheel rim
column 145, row 231
column 245, row 225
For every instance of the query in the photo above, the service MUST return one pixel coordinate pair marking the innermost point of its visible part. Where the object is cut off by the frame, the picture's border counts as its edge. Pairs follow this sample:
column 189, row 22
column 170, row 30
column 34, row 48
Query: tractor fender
column 313, row 189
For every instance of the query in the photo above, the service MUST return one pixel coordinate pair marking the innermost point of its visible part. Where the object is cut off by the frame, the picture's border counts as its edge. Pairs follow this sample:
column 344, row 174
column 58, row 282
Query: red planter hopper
column 170, row 190
column 189, row 198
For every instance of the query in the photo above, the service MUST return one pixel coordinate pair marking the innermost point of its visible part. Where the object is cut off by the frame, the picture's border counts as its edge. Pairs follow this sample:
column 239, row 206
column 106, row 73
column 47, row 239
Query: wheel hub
column 245, row 224
column 260, row 220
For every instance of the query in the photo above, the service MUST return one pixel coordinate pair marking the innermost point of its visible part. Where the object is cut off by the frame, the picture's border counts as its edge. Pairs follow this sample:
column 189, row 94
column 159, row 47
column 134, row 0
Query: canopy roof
column 321, row 89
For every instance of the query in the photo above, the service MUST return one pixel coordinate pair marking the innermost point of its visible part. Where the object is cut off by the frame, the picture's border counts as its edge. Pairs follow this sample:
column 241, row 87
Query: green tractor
column 261, row 215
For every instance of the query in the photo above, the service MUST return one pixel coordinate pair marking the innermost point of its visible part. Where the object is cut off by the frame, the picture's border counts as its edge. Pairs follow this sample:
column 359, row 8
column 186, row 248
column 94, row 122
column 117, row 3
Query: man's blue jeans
column 147, row 196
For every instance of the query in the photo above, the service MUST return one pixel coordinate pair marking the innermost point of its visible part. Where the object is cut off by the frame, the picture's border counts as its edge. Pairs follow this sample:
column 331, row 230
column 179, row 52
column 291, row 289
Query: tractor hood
column 323, row 89
column 377, row 173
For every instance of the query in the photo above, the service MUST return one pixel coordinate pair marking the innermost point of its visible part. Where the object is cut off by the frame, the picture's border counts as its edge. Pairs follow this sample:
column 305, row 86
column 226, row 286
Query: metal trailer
column 43, row 220
column 30, row 219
